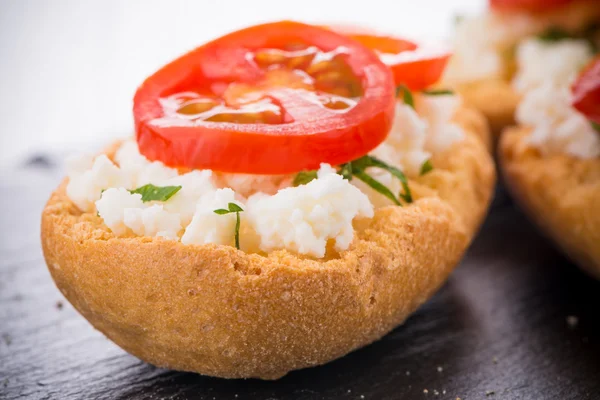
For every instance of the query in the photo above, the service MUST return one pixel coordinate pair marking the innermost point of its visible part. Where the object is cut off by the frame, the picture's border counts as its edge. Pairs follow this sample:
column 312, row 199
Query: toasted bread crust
column 218, row 311
column 561, row 194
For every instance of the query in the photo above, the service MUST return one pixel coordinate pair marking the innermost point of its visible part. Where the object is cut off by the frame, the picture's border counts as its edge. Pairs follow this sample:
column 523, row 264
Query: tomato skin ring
column 264, row 148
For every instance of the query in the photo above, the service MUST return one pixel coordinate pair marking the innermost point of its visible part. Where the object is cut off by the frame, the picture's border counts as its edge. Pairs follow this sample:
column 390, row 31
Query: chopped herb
column 357, row 168
column 302, row 178
column 150, row 192
column 370, row 161
column 426, row 167
column 376, row 185
column 596, row 126
column 438, row 92
column 346, row 171
column 458, row 19
column 554, row 34
column 233, row 208
column 407, row 96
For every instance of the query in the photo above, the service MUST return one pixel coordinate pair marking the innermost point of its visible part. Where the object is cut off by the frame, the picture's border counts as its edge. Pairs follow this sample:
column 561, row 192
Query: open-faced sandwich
column 551, row 161
column 516, row 45
column 291, row 195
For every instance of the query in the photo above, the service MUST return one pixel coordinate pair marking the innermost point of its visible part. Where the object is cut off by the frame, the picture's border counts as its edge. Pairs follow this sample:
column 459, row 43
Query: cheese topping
column 304, row 218
column 308, row 219
column 546, row 72
column 557, row 63
column 482, row 42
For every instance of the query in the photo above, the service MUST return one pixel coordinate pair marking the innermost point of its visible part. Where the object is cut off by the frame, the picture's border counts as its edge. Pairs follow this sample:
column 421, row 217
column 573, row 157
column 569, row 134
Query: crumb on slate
column 407, row 373
column 489, row 393
column 425, row 391
column 495, row 360
column 572, row 321
column 440, row 368
column 7, row 339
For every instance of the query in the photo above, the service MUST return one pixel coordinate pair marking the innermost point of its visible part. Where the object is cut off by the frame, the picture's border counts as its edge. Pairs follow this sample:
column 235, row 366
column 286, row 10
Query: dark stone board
column 516, row 320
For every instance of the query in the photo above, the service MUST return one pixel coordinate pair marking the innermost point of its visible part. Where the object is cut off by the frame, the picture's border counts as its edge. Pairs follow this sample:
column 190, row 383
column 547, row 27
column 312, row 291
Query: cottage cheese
column 557, row 126
column 416, row 135
column 208, row 227
column 305, row 219
column 546, row 72
column 481, row 43
column 123, row 211
column 557, row 63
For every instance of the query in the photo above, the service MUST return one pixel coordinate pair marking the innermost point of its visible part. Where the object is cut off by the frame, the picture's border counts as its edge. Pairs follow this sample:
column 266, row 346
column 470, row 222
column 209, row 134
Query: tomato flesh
column 586, row 91
column 417, row 67
column 271, row 99
column 533, row 6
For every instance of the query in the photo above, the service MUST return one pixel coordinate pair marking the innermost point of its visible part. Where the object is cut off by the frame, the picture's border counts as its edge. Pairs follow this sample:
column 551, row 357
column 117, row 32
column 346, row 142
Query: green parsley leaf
column 376, row 185
column 596, row 126
column 438, row 92
column 302, row 178
column 426, row 167
column 554, row 34
column 150, row 192
column 233, row 208
column 407, row 96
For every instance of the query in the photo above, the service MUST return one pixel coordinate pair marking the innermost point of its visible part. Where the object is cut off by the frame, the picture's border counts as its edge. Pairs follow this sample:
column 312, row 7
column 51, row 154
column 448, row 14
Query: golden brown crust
column 495, row 99
column 221, row 312
column 561, row 194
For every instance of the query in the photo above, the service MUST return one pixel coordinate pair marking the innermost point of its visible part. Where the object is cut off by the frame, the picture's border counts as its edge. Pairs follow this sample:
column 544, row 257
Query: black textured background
column 515, row 321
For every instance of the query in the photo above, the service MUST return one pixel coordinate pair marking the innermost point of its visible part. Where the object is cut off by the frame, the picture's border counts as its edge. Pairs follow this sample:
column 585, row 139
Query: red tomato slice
column 271, row 99
column 527, row 5
column 417, row 67
column 586, row 91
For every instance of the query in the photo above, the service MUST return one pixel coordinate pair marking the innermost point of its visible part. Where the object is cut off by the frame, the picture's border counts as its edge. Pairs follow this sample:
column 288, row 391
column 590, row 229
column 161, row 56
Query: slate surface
column 515, row 321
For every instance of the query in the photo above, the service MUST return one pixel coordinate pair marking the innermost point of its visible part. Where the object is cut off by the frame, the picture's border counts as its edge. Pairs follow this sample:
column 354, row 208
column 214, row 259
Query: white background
column 69, row 69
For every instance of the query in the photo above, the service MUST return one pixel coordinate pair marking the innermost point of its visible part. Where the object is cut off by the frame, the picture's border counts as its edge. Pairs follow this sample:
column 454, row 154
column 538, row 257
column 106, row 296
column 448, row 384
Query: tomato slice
column 586, row 91
column 417, row 67
column 533, row 6
column 270, row 99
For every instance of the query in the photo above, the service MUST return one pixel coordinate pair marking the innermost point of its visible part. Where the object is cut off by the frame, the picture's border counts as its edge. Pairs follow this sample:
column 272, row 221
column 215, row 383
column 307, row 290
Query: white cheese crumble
column 416, row 135
column 545, row 74
column 121, row 210
column 557, row 126
column 540, row 62
column 208, row 227
column 306, row 219
column 303, row 219
column 480, row 43
column 89, row 176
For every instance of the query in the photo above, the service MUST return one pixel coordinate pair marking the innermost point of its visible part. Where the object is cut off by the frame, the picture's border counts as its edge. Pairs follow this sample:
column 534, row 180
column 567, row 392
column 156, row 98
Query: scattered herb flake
column 596, row 126
column 233, row 208
column 554, row 34
column 407, row 96
column 150, row 192
column 346, row 171
column 302, row 178
column 376, row 185
column 438, row 92
column 426, row 167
